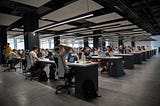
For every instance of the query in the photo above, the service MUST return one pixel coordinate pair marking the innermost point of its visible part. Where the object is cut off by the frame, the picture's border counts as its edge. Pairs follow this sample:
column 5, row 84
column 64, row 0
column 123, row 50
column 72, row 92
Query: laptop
column 72, row 59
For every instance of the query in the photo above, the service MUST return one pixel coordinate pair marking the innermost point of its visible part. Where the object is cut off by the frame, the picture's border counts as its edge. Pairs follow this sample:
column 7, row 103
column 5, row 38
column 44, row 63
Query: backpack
column 43, row 76
column 89, row 91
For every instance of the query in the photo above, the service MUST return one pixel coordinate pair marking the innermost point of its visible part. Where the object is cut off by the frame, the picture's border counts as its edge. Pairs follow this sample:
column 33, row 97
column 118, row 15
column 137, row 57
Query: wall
column 155, row 44
column 143, row 43
column 128, row 43
column 113, row 43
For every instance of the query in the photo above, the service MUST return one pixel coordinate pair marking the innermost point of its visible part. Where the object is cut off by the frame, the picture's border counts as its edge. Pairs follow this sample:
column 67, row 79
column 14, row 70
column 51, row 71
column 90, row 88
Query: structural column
column 31, row 23
column 96, row 38
column 85, row 42
column 133, row 41
column 96, row 41
column 103, row 43
column 56, row 41
column 3, row 41
column 120, row 40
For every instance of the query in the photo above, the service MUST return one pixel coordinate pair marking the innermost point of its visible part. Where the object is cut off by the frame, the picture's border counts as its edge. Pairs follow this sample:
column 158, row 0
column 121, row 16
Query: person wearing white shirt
column 33, row 55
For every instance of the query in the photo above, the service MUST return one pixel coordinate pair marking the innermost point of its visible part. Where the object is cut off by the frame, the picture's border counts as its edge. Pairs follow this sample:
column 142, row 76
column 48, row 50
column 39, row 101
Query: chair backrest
column 28, row 62
column 56, row 61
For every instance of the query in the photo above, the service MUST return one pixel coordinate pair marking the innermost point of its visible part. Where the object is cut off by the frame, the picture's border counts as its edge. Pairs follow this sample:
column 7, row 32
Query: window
column 11, row 41
column 20, row 43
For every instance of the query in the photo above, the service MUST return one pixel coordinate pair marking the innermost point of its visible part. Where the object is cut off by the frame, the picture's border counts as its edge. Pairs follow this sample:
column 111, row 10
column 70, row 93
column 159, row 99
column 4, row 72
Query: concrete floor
column 139, row 87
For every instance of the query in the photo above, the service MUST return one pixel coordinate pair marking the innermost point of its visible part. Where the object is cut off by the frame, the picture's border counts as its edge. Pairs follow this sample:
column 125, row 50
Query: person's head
column 7, row 45
column 121, row 47
column 64, row 48
column 35, row 49
column 109, row 48
column 15, row 50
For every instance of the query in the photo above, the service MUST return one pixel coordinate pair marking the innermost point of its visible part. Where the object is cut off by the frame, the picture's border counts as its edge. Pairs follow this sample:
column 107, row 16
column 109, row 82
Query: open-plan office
column 79, row 52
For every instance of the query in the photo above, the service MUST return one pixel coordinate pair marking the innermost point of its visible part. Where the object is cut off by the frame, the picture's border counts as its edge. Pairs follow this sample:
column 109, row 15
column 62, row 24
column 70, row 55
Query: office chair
column 66, row 86
column 29, row 72
column 11, row 65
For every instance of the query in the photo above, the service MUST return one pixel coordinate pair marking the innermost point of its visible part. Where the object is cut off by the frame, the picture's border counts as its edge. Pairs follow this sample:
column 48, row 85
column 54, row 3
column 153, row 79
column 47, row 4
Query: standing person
column 63, row 69
column 8, row 49
column 7, row 52
column 3, row 55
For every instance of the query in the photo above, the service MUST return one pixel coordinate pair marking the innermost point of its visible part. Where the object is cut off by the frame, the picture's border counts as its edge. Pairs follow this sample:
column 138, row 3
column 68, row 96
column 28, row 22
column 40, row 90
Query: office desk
column 144, row 55
column 150, row 51
column 46, row 61
column 137, row 57
column 148, row 54
column 155, row 50
column 20, row 59
column 84, row 72
column 128, row 60
column 115, row 65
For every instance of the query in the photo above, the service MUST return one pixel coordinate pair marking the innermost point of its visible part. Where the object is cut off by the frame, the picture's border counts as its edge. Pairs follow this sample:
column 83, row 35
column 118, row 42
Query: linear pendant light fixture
column 64, row 22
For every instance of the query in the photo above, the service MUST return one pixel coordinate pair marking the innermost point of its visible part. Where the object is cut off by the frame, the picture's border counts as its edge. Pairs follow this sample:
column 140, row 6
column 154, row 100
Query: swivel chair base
column 64, row 88
column 10, row 69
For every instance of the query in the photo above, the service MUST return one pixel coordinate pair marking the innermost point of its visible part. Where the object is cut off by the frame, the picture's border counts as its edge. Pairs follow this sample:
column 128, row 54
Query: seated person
column 33, row 58
column 122, row 49
column 33, row 55
column 105, row 64
column 129, row 49
column 11, row 58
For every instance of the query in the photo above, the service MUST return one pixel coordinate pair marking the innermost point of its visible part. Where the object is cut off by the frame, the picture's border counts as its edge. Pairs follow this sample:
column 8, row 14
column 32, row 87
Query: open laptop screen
column 71, row 59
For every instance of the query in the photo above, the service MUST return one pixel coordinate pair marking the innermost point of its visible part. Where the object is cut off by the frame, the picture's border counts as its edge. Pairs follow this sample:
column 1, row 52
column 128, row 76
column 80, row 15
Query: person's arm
column 110, row 53
column 36, row 57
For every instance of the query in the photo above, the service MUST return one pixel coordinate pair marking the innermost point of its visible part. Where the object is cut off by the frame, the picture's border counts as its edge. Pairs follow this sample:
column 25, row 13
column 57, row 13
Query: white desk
column 137, row 57
column 128, row 60
column 84, row 72
column 46, row 60
column 98, row 57
column 81, row 64
column 20, row 60
column 123, row 54
column 115, row 65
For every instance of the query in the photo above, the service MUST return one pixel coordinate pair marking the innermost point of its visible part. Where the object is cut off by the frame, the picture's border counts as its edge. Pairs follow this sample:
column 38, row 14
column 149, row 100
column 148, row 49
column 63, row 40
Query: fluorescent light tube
column 64, row 22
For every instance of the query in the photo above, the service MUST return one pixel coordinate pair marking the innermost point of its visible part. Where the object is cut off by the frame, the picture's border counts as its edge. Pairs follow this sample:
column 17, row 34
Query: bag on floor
column 89, row 91
column 43, row 76
column 52, row 71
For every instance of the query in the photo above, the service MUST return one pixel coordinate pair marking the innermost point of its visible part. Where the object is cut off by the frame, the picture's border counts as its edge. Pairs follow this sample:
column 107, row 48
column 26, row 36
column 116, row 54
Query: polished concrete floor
column 139, row 87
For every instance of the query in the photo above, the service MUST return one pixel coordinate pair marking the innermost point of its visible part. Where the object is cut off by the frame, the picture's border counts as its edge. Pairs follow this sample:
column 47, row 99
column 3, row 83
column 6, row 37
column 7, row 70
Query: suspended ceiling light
column 64, row 22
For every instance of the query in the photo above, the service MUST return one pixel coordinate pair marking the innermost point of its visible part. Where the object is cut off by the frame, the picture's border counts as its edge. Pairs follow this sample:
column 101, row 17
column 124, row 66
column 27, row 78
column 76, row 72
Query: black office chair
column 11, row 65
column 30, row 71
column 63, row 88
